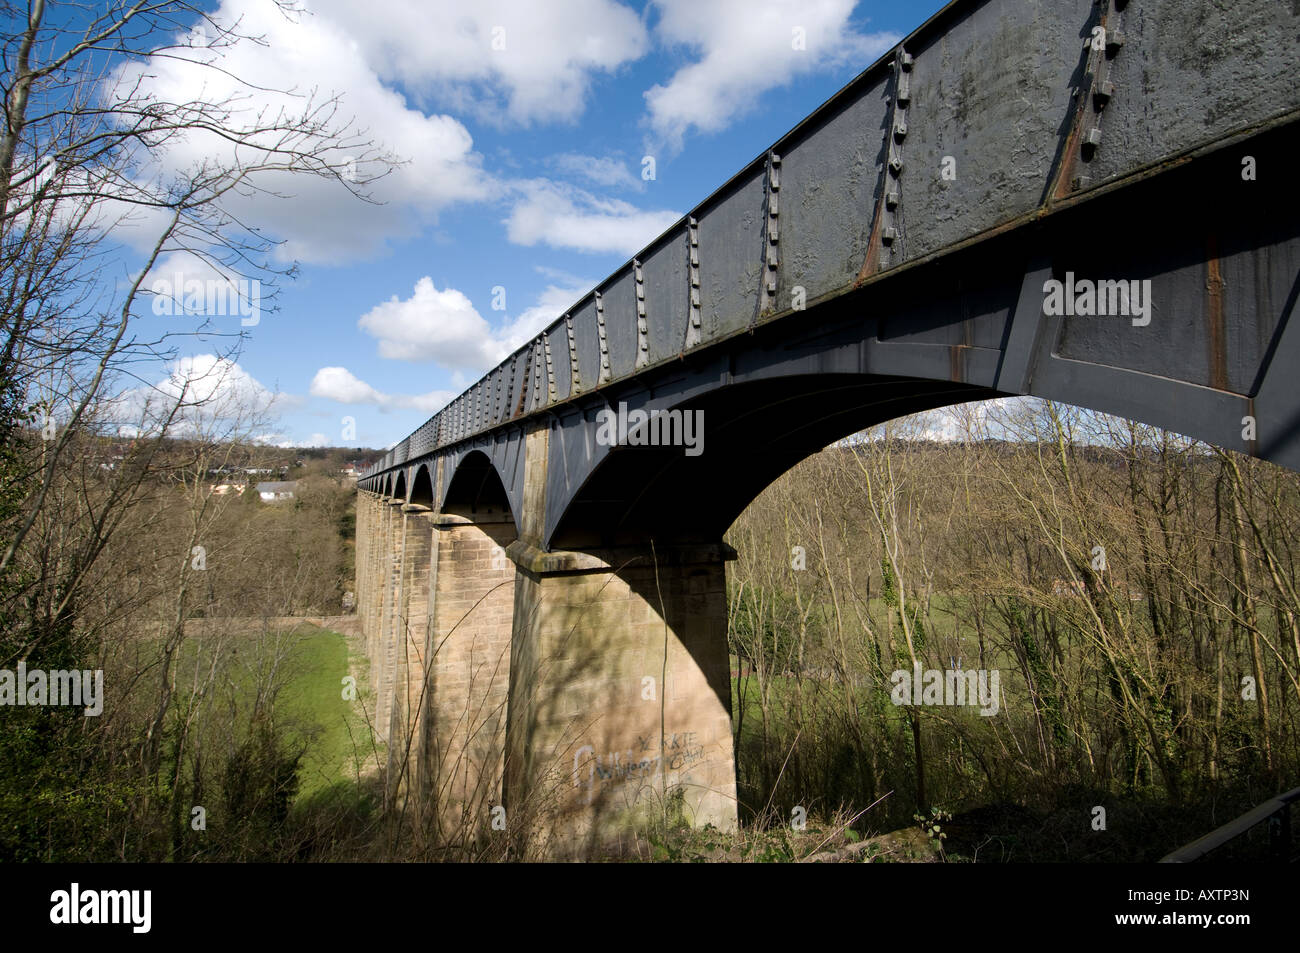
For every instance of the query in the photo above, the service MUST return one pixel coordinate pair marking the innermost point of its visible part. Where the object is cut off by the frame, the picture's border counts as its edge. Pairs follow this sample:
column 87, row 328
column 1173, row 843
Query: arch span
column 762, row 429
column 1218, row 281
column 422, row 486
column 475, row 489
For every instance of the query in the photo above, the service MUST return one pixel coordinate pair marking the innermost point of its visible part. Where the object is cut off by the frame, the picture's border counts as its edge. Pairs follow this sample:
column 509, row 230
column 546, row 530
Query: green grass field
column 338, row 739
column 310, row 707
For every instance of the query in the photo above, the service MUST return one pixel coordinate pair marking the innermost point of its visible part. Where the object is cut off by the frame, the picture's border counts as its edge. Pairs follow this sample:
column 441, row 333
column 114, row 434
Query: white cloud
column 974, row 420
column 941, row 425
column 744, row 49
column 277, row 439
column 307, row 58
column 551, row 303
column 444, row 327
column 218, row 381
column 509, row 61
column 603, row 171
column 201, row 394
column 564, row 216
column 431, row 325
column 191, row 289
column 340, row 384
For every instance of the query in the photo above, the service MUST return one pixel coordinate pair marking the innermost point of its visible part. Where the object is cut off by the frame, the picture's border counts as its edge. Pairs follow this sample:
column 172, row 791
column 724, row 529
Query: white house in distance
column 276, row 491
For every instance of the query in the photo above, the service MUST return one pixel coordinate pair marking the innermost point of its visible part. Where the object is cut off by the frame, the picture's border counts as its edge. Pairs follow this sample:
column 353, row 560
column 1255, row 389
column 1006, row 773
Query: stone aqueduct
column 545, row 614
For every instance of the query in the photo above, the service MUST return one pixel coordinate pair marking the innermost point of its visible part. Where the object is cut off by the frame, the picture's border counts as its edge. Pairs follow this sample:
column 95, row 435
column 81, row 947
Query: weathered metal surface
column 884, row 244
column 1188, row 67
column 732, row 244
column 693, row 332
column 1276, row 811
column 767, row 294
column 665, row 270
column 1002, row 95
column 575, row 377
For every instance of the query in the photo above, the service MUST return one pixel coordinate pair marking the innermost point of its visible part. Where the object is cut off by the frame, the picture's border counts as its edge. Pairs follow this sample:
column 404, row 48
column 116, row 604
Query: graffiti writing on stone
column 642, row 762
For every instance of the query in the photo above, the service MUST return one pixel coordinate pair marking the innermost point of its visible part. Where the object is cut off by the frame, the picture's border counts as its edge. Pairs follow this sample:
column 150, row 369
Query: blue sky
column 525, row 172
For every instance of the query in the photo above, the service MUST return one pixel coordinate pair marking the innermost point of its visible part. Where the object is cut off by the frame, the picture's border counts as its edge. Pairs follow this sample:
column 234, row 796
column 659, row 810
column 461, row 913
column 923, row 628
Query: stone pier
column 567, row 695
column 469, row 672
column 620, row 692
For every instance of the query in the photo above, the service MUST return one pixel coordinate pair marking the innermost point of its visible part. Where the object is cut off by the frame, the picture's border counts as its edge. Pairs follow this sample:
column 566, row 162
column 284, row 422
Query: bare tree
column 90, row 154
